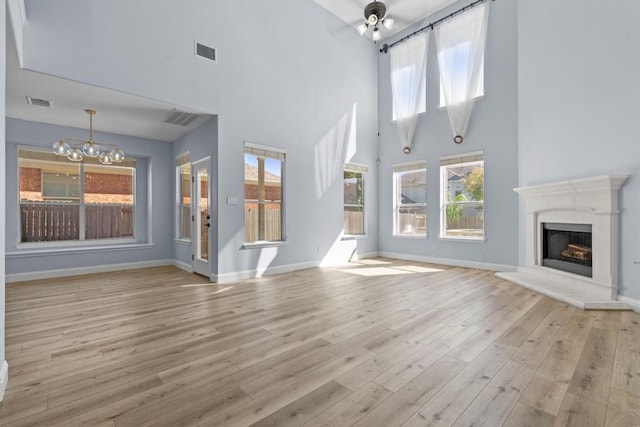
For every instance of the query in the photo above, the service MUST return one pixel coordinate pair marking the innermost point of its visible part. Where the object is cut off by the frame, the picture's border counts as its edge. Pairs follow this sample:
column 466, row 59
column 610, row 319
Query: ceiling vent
column 206, row 52
column 180, row 118
column 38, row 102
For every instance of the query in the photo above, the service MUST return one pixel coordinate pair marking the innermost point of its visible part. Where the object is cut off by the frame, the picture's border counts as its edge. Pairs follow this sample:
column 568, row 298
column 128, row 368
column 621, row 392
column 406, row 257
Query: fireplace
column 567, row 247
column 570, row 240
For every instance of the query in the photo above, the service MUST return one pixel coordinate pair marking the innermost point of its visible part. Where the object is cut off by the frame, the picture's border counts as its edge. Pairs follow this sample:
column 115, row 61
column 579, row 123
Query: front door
column 201, row 220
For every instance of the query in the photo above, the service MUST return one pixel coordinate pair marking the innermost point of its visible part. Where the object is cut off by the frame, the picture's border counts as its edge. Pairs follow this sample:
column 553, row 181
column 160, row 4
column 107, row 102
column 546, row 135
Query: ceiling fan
column 375, row 13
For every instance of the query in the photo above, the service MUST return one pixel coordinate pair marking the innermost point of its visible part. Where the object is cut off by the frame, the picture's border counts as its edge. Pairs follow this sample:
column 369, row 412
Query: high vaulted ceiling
column 405, row 12
column 136, row 116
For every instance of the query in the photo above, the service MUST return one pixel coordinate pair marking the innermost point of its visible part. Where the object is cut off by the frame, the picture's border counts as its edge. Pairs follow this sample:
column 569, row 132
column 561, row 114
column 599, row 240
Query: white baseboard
column 252, row 274
column 78, row 271
column 183, row 266
column 633, row 303
column 4, row 378
column 448, row 261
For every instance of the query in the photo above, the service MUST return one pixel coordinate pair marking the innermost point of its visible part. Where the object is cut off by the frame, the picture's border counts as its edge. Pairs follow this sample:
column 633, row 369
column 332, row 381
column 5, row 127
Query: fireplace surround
column 568, row 211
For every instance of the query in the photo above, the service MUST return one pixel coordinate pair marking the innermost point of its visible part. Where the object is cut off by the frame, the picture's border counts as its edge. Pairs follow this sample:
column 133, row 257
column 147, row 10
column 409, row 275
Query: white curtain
column 408, row 76
column 460, row 43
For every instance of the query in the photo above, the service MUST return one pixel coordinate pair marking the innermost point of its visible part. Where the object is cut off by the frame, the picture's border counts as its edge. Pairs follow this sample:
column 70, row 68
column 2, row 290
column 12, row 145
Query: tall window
column 402, row 83
column 410, row 199
column 460, row 42
column 460, row 96
column 354, row 199
column 462, row 196
column 183, row 196
column 263, row 194
column 65, row 201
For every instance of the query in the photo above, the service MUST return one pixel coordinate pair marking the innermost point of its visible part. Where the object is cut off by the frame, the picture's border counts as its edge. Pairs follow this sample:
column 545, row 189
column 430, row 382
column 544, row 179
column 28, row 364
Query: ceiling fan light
column 372, row 19
column 376, row 34
column 61, row 148
column 362, row 28
column 388, row 23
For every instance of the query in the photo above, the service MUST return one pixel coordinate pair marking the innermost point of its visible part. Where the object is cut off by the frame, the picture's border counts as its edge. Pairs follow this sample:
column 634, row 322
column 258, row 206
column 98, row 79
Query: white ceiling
column 405, row 12
column 116, row 112
column 132, row 115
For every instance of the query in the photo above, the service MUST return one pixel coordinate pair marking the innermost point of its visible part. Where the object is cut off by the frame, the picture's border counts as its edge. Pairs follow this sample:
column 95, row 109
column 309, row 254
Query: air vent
column 205, row 51
column 180, row 118
column 38, row 102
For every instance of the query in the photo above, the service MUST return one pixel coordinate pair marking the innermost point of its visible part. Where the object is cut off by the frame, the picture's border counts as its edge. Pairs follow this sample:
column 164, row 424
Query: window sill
column 420, row 114
column 260, row 245
column 411, row 236
column 354, row 236
column 186, row 242
column 37, row 249
column 464, row 239
column 444, row 107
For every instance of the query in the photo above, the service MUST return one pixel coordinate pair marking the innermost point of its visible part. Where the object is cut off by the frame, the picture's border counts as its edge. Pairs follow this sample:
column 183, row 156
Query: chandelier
column 107, row 154
column 374, row 14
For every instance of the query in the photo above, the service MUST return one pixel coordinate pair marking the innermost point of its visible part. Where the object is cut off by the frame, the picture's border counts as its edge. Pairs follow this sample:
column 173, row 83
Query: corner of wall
column 4, row 378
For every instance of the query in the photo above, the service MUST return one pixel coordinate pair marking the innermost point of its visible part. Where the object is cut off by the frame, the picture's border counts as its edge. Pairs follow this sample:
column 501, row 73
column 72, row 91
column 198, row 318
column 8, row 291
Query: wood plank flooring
column 376, row 343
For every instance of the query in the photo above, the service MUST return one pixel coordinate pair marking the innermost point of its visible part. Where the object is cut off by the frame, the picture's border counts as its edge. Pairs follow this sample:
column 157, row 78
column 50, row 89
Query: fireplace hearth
column 570, row 241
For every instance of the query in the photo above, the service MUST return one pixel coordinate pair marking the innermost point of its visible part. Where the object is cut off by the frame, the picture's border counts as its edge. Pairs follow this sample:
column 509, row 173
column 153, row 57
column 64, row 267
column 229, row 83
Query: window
column 65, row 201
column 354, row 199
column 462, row 196
column 410, row 199
column 401, row 81
column 408, row 61
column 183, row 197
column 460, row 42
column 461, row 82
column 263, row 194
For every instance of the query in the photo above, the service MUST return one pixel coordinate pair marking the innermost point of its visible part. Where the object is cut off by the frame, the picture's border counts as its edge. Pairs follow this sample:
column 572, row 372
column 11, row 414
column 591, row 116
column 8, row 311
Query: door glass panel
column 202, row 185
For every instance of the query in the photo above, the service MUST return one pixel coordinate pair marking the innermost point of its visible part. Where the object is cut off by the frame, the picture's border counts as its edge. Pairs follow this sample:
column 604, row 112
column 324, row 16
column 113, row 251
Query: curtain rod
column 385, row 47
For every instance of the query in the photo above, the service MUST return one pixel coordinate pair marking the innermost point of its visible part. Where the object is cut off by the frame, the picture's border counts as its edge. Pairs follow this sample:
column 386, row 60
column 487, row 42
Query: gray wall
column 152, row 196
column 579, row 104
column 3, row 60
column 278, row 81
column 200, row 143
column 493, row 128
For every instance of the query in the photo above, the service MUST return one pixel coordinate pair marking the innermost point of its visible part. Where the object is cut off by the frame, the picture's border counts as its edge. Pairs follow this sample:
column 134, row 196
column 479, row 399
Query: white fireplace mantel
column 592, row 201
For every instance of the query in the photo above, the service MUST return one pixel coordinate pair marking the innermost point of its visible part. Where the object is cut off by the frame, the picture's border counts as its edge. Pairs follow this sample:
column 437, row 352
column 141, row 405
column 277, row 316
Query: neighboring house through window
column 353, row 187
column 462, row 196
column 263, row 193
column 183, row 197
column 410, row 199
column 67, row 201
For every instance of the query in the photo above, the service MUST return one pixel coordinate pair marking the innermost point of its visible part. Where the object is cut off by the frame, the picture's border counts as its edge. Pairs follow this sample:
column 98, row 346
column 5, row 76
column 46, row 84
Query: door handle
column 208, row 225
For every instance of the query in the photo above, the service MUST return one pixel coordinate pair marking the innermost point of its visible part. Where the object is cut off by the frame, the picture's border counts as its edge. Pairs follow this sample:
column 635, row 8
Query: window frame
column 80, row 202
column 181, row 161
column 359, row 169
column 274, row 153
column 459, row 160
column 400, row 170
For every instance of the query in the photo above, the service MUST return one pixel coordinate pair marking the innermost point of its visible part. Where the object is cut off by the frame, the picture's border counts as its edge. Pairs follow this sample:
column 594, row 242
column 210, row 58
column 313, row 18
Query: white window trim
column 458, row 160
column 276, row 153
column 406, row 167
column 82, row 241
column 359, row 168
column 181, row 160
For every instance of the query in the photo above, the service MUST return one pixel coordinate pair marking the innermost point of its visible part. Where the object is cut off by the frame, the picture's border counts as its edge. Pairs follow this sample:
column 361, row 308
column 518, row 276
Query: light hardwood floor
column 376, row 343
